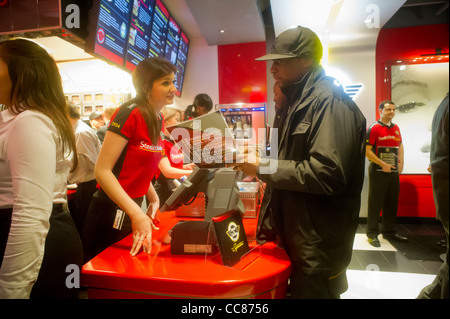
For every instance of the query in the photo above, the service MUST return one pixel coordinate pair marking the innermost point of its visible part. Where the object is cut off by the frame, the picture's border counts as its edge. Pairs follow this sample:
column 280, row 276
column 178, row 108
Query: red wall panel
column 241, row 78
column 406, row 43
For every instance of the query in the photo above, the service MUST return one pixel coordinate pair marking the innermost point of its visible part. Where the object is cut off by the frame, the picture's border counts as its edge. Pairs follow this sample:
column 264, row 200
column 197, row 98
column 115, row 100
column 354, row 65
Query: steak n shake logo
column 233, row 233
column 150, row 148
column 390, row 137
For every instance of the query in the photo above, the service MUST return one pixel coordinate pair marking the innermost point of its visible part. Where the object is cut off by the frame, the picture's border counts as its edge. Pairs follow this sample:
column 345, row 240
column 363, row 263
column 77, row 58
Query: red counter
column 115, row 274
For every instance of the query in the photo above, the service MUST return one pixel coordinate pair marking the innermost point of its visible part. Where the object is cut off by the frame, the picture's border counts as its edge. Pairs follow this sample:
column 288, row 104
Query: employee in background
column 171, row 166
column 439, row 162
column 128, row 161
column 88, row 148
column 38, row 238
column 315, row 192
column 202, row 105
column 384, row 181
column 107, row 113
column 96, row 120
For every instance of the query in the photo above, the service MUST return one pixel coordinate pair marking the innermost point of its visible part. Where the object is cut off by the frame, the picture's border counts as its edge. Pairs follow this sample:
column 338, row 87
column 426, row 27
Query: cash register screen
column 196, row 182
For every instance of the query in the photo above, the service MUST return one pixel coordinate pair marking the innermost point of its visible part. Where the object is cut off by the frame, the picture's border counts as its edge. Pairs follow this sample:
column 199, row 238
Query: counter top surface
column 162, row 273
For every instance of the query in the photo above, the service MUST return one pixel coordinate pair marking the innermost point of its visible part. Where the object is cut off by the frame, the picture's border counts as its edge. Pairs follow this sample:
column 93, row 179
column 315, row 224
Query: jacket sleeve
column 334, row 139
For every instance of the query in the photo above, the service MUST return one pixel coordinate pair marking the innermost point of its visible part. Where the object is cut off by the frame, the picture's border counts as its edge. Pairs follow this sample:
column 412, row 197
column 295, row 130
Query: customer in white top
column 88, row 148
column 38, row 239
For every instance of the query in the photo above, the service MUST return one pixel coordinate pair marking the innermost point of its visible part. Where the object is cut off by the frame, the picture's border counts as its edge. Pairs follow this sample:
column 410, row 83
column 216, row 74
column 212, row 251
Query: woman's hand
column 142, row 226
column 189, row 166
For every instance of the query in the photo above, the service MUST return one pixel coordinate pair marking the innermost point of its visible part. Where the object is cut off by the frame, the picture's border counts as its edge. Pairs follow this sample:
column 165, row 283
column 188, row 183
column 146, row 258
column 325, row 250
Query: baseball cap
column 293, row 43
column 94, row 115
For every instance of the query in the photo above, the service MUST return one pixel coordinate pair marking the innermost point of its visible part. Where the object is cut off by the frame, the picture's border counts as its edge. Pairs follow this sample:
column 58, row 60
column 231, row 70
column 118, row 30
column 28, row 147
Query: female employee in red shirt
column 172, row 164
column 127, row 163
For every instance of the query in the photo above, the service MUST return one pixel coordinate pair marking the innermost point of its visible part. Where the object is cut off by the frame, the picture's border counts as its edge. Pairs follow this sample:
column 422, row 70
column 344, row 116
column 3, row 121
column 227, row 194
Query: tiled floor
column 385, row 272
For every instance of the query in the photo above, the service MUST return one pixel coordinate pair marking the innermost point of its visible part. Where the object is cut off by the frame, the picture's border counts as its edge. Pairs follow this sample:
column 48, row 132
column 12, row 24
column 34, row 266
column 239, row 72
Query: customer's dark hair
column 146, row 72
column 204, row 100
column 73, row 111
column 36, row 85
column 383, row 103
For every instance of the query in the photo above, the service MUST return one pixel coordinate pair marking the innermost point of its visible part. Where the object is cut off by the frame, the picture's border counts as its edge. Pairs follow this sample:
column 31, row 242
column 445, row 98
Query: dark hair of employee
column 383, row 104
column 128, row 161
column 40, row 238
column 203, row 104
column 143, row 77
column 36, row 85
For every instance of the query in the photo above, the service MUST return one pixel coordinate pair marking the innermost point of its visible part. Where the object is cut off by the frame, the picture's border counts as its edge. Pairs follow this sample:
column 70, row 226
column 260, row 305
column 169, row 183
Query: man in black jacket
column 313, row 192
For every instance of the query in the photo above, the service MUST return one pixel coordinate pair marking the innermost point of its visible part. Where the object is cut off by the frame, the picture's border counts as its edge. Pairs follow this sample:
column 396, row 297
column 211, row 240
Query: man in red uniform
column 384, row 149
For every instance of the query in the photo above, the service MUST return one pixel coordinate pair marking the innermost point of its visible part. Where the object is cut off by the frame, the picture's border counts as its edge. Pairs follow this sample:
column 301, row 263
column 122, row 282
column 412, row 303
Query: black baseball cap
column 294, row 43
column 94, row 115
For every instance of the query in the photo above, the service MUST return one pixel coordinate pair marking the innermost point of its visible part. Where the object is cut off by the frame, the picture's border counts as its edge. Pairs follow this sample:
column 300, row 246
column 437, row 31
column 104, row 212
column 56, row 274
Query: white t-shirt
column 33, row 176
column 88, row 148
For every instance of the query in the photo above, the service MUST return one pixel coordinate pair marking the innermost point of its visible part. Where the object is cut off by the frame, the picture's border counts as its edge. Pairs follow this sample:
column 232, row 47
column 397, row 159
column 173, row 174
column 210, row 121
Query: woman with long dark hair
column 38, row 238
column 128, row 161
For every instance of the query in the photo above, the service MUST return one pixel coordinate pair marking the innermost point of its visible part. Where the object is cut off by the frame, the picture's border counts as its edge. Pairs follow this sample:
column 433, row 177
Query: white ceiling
column 339, row 23
column 225, row 22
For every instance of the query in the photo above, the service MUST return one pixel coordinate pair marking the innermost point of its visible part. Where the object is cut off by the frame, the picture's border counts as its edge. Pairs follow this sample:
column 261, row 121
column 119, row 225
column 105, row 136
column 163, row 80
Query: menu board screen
column 140, row 30
column 181, row 62
column 173, row 39
column 159, row 30
column 112, row 30
column 125, row 32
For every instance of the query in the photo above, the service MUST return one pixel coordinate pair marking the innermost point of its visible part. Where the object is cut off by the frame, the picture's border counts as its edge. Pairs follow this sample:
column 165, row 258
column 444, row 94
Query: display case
column 247, row 121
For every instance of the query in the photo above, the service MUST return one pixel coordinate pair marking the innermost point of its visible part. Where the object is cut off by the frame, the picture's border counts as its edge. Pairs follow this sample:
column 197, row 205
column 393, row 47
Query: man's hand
column 248, row 161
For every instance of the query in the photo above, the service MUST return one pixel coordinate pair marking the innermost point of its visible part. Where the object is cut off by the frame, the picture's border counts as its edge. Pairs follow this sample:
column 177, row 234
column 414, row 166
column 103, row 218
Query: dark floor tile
column 373, row 260
column 420, row 229
column 400, row 263
column 430, row 267
column 354, row 263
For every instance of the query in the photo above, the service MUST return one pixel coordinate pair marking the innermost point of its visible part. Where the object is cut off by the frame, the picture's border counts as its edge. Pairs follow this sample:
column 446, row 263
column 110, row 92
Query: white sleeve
column 31, row 157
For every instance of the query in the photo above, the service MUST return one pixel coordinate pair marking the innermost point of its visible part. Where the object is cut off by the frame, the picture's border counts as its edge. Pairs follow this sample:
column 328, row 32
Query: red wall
column 406, row 43
column 416, row 194
column 241, row 78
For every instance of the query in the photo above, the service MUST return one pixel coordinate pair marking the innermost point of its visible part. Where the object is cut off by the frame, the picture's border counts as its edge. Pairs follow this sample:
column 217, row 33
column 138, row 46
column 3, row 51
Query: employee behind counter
column 125, row 177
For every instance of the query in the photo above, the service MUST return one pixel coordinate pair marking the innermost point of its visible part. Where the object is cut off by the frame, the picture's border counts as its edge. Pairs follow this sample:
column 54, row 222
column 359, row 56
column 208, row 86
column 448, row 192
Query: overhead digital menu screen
column 181, row 62
column 125, row 32
column 159, row 30
column 173, row 39
column 111, row 35
column 140, row 30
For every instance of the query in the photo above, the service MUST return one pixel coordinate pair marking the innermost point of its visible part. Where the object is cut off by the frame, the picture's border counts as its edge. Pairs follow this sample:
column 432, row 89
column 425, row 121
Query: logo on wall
column 353, row 90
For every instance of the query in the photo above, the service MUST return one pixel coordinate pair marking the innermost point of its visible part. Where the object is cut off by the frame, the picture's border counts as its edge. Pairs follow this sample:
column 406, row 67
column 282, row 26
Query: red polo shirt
column 382, row 135
column 138, row 163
